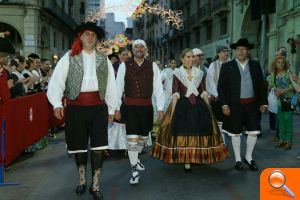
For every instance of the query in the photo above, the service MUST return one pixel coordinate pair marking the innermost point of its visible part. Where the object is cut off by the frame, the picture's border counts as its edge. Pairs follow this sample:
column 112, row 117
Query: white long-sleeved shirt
column 157, row 86
column 57, row 82
column 212, row 78
column 242, row 65
column 167, row 79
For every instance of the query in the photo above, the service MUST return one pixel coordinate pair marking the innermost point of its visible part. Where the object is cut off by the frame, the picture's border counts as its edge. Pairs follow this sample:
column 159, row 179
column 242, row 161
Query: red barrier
column 26, row 121
column 4, row 91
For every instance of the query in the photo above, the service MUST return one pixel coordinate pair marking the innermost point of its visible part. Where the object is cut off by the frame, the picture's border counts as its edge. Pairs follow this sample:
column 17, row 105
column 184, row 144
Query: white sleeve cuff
column 111, row 111
column 57, row 105
column 204, row 93
column 160, row 109
column 176, row 94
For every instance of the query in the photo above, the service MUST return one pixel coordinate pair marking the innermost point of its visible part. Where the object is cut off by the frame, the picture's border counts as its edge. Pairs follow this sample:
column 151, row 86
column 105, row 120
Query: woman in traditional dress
column 189, row 132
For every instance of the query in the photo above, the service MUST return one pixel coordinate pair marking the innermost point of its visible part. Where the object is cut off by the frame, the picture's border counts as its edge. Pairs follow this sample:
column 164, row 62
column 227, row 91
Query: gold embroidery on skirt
column 188, row 149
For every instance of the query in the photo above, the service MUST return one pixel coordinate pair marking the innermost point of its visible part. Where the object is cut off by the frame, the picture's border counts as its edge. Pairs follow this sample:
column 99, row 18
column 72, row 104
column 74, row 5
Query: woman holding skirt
column 189, row 132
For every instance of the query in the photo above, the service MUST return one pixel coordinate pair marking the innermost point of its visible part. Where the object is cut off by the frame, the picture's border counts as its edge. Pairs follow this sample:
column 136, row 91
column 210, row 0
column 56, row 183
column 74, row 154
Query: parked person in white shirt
column 28, row 72
column 167, row 80
column 198, row 61
column 45, row 72
column 212, row 78
column 19, row 63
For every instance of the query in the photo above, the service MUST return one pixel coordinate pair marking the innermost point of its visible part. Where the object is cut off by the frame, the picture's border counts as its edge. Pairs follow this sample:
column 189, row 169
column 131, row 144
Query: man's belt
column 86, row 99
column 137, row 101
column 247, row 100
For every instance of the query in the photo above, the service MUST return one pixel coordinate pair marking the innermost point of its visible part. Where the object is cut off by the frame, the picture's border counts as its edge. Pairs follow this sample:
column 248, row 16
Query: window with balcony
column 197, row 37
column 63, row 5
column 70, row 7
column 63, row 43
column 223, row 26
column 209, row 32
column 181, row 43
column 187, row 41
column 54, row 39
column 82, row 8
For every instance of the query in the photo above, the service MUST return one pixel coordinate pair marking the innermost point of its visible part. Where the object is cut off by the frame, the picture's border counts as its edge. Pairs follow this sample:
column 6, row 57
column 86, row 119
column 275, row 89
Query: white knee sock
column 133, row 153
column 133, row 157
column 236, row 144
column 142, row 143
column 223, row 135
column 251, row 141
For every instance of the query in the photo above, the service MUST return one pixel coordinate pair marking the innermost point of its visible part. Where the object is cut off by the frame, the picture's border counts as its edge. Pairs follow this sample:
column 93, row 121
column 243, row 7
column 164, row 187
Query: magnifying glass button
column 277, row 180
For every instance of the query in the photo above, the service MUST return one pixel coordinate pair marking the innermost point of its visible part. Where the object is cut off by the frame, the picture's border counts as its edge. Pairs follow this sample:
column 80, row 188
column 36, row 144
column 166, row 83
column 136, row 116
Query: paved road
column 51, row 175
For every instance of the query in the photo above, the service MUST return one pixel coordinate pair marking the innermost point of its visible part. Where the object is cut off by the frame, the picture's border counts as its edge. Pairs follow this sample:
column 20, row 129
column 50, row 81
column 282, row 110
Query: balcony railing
column 165, row 38
column 219, row 6
column 296, row 3
column 178, row 4
column 54, row 9
column 12, row 1
column 204, row 13
column 139, row 23
column 193, row 19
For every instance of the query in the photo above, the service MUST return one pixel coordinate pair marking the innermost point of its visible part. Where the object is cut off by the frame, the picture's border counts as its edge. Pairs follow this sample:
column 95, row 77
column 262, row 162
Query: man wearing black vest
column 138, row 79
column 243, row 96
column 87, row 78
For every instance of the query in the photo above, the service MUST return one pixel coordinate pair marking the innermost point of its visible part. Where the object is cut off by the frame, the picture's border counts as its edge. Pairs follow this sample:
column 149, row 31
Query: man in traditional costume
column 137, row 80
column 242, row 95
column 87, row 78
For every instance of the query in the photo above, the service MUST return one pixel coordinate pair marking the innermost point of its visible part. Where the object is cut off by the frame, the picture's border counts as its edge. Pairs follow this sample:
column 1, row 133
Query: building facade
column 98, row 5
column 112, row 28
column 40, row 26
column 209, row 23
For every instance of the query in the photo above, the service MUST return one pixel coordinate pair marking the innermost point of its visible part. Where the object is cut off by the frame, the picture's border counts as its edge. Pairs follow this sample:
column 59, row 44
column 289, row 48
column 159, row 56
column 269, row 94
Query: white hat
column 139, row 41
column 197, row 51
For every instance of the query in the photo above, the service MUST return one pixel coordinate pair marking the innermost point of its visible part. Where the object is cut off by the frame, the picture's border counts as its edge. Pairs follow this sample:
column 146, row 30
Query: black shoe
column 80, row 189
column 251, row 165
column 96, row 194
column 238, row 166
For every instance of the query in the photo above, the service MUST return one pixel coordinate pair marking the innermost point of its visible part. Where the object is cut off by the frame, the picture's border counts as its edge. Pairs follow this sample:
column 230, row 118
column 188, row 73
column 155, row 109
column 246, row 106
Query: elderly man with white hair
column 137, row 80
column 199, row 60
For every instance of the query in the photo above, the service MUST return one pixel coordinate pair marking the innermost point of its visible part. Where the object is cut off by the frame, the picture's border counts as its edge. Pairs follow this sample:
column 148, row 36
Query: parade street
column 51, row 174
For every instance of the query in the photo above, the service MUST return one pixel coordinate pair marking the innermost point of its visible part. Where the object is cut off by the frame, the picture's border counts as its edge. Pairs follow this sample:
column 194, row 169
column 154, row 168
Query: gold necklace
column 188, row 71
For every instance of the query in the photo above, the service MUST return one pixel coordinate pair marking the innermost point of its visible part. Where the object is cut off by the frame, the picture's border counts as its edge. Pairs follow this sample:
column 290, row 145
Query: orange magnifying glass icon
column 277, row 180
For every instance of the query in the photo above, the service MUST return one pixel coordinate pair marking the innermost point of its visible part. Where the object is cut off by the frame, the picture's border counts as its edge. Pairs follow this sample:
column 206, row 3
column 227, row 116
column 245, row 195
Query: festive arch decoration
column 171, row 17
column 139, row 8
column 106, row 46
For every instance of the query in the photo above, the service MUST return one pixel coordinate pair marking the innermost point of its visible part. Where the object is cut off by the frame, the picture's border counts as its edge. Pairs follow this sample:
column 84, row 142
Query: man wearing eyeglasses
column 212, row 78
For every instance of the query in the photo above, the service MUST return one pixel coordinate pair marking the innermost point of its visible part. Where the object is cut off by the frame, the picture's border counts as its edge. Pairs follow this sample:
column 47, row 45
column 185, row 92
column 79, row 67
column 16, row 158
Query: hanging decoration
column 171, row 17
column 139, row 8
column 107, row 46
